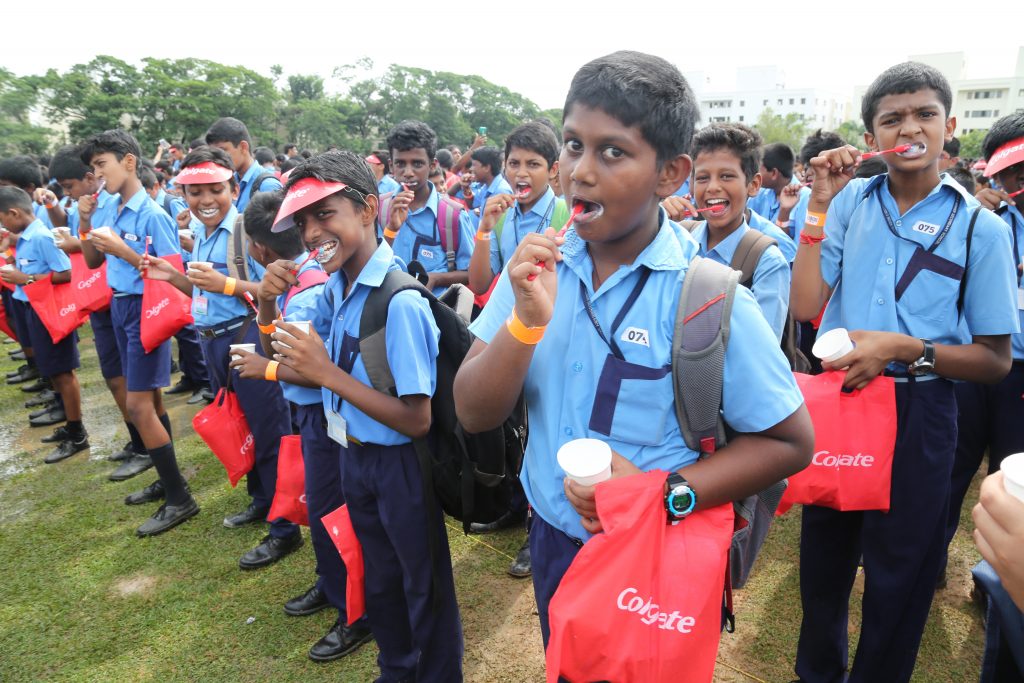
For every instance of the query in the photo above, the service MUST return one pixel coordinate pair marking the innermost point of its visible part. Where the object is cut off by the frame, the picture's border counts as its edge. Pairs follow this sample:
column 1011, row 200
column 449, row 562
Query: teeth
column 714, row 202
column 208, row 213
column 326, row 251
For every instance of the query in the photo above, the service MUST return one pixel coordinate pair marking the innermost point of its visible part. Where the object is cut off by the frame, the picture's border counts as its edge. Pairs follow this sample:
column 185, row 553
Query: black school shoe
column 203, row 394
column 41, row 384
column 506, row 521
column 182, row 386
column 340, row 641
column 168, row 517
column 59, row 434
column 51, row 417
column 52, row 405
column 522, row 567
column 310, row 602
column 29, row 373
column 150, row 494
column 17, row 355
column 67, row 448
column 270, row 550
column 41, row 399
column 15, row 373
column 249, row 515
column 135, row 465
column 123, row 454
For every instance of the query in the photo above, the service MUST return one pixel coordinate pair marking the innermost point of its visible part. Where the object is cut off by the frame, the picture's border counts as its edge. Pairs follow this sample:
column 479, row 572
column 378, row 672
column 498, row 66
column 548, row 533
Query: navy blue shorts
column 106, row 344
column 142, row 371
column 51, row 359
column 17, row 312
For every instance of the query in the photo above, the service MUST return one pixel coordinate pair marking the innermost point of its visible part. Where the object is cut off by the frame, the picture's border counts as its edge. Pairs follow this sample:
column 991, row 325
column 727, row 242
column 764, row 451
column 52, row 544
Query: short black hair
column 964, row 177
column 15, row 198
column 67, row 164
column 817, row 142
column 22, row 171
column 952, row 148
column 385, row 158
column 904, row 78
column 1006, row 129
column 533, row 136
column 445, row 159
column 147, row 178
column 306, row 153
column 228, row 129
column 209, row 154
column 290, row 145
column 639, row 90
column 337, row 167
column 290, row 163
column 258, row 220
column 263, row 155
column 742, row 141
column 489, row 156
column 118, row 142
column 280, row 158
column 779, row 156
column 870, row 168
column 412, row 135
column 550, row 125
column 196, row 144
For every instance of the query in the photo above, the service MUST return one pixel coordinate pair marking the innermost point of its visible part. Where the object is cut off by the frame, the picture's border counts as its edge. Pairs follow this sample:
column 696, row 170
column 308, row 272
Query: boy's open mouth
column 523, row 190
column 208, row 213
column 326, row 251
column 916, row 150
column 716, row 206
column 589, row 210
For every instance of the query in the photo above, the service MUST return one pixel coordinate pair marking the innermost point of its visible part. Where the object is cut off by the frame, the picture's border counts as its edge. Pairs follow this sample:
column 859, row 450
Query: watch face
column 681, row 500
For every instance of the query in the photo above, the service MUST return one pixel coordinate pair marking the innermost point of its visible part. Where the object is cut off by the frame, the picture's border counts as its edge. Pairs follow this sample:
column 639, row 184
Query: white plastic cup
column 208, row 265
column 303, row 325
column 1013, row 475
column 104, row 230
column 6, row 268
column 586, row 461
column 251, row 348
column 833, row 345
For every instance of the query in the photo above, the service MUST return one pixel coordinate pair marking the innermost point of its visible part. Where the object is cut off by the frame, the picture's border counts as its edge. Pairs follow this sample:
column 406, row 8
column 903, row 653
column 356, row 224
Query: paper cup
column 6, row 268
column 251, row 348
column 104, row 230
column 303, row 325
column 1013, row 475
column 833, row 345
column 586, row 461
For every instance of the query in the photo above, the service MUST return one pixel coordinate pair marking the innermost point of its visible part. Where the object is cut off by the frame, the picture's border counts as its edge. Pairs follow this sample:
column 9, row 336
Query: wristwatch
column 926, row 363
column 30, row 280
column 680, row 499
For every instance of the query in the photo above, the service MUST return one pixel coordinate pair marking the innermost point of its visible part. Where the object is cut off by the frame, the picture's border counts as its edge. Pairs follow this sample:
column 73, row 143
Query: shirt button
column 568, row 431
column 888, row 261
column 881, row 301
column 577, row 367
column 899, row 223
column 341, row 318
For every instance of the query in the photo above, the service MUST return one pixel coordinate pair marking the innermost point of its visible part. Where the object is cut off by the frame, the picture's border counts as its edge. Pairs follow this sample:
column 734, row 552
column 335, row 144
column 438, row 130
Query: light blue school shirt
column 139, row 217
column 863, row 261
column 1015, row 219
column 562, row 381
column 785, row 242
column 388, row 184
column 105, row 213
column 480, row 196
column 37, row 254
column 411, row 339
column 683, row 190
column 419, row 239
column 306, row 305
column 518, row 225
column 771, row 275
column 43, row 215
column 176, row 204
column 214, row 248
column 245, row 184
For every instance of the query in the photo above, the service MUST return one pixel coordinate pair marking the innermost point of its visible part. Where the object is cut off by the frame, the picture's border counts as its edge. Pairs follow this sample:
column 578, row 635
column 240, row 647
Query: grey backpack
column 698, row 361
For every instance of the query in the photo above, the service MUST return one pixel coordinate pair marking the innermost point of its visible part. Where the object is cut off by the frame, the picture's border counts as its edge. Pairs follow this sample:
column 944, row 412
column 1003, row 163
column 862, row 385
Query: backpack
column 168, row 204
column 448, row 211
column 258, row 180
column 559, row 217
column 699, row 341
column 472, row 476
column 238, row 247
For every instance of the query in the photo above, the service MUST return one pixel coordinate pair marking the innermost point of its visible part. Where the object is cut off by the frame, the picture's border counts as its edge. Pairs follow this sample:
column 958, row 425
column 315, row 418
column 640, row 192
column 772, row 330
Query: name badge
column 200, row 305
column 926, row 228
column 24, row 261
column 426, row 253
column 1020, row 299
column 636, row 335
column 337, row 428
column 131, row 237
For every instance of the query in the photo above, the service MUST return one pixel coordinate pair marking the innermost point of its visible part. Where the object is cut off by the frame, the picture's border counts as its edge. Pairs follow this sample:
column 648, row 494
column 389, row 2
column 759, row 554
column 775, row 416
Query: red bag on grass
column 165, row 309
column 854, row 441
column 5, row 324
column 222, row 425
column 339, row 526
column 643, row 600
column 290, row 494
column 55, row 305
column 92, row 293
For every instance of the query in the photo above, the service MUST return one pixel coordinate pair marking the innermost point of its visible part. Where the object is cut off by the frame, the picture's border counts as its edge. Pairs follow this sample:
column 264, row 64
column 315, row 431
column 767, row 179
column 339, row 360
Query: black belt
column 215, row 331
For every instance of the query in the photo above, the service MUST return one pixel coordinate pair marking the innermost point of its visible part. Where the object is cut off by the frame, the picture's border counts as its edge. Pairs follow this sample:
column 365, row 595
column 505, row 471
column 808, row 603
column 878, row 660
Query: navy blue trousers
column 190, row 355
column 419, row 634
column 551, row 552
column 268, row 416
column 902, row 550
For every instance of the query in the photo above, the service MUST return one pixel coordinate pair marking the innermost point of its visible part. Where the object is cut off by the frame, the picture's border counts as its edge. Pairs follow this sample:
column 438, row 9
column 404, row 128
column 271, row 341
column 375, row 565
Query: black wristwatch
column 926, row 363
column 680, row 500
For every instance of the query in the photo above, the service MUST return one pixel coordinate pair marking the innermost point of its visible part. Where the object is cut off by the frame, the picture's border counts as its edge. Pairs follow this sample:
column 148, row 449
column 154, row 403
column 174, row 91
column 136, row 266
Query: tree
column 853, row 132
column 790, row 129
column 18, row 135
column 970, row 144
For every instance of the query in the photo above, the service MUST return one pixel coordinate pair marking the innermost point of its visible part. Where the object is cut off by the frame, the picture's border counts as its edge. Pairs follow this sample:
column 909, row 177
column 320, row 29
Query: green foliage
column 970, row 144
column 790, row 129
column 853, row 132
column 18, row 97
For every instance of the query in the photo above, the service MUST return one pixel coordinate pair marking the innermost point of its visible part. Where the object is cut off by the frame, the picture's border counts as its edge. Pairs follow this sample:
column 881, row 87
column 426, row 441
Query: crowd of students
column 646, row 193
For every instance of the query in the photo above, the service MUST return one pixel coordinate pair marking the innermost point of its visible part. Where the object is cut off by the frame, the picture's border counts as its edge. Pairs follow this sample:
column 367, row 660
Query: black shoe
column 270, row 550
column 15, row 373
column 200, row 395
column 67, row 448
column 51, row 417
column 25, row 375
column 521, row 568
column 123, row 454
column 168, row 517
column 310, row 602
column 41, row 399
column 41, row 384
column 137, row 464
column 59, row 434
column 52, row 405
column 340, row 641
column 17, row 355
column 174, row 367
column 150, row 494
column 506, row 521
column 247, row 516
column 183, row 386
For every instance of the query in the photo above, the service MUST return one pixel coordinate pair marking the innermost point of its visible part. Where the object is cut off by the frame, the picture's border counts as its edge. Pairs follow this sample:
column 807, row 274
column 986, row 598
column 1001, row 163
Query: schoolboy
column 413, row 227
column 950, row 155
column 890, row 257
column 380, row 161
column 232, row 136
column 410, row 601
column 989, row 415
column 114, row 156
column 23, row 171
column 38, row 255
column 776, row 175
column 223, row 318
column 488, row 180
column 725, row 162
column 622, row 239
column 296, row 296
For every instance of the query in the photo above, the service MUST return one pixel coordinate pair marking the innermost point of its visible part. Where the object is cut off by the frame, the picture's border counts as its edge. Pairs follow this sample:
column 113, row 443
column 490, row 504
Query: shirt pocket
column 632, row 402
column 929, row 287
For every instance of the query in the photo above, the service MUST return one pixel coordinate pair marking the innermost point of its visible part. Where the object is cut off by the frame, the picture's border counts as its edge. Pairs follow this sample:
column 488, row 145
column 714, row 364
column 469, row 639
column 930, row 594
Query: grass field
column 82, row 599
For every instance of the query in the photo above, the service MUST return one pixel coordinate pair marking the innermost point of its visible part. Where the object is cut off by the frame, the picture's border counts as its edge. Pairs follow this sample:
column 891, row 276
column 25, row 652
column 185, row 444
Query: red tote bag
column 91, row 291
column 339, row 526
column 290, row 494
column 854, row 441
column 643, row 600
column 222, row 425
column 55, row 305
column 5, row 323
column 165, row 308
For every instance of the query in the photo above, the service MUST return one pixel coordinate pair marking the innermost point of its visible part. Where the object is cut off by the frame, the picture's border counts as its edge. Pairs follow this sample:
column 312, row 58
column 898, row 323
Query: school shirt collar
column 373, row 272
column 136, row 201
column 725, row 249
column 495, row 186
column 36, row 227
column 945, row 180
column 250, row 173
column 540, row 207
column 228, row 224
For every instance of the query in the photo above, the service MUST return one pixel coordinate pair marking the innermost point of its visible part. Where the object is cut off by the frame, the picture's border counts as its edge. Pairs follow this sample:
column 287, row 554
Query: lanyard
column 633, row 296
column 938, row 238
column 544, row 222
column 1016, row 254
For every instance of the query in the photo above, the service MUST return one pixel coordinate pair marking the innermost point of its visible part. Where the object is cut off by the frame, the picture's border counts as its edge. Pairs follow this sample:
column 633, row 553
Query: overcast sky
column 828, row 43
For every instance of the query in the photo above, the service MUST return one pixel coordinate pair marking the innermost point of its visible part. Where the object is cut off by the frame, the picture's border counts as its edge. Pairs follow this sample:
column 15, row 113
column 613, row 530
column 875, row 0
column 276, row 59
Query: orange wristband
column 527, row 335
column 270, row 374
column 482, row 236
column 229, row 286
column 815, row 219
column 390, row 234
column 267, row 329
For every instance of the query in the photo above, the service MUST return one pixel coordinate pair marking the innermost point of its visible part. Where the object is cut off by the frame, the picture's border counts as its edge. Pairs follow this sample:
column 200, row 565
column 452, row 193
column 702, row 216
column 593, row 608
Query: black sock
column 76, row 429
column 137, row 445
column 30, row 361
column 165, row 420
column 167, row 467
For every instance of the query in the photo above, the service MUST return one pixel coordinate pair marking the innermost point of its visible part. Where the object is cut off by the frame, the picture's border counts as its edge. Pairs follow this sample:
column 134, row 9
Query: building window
column 780, row 101
column 791, row 100
column 803, row 100
column 742, row 103
column 741, row 118
column 766, row 101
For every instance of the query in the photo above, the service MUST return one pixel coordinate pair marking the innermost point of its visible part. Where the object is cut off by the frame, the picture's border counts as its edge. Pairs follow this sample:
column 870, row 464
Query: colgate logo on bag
column 650, row 613
column 155, row 311
column 247, row 445
column 85, row 284
column 827, row 459
column 67, row 310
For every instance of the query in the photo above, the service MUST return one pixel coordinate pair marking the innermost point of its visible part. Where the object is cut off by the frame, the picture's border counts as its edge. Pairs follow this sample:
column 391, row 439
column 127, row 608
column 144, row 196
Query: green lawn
column 82, row 599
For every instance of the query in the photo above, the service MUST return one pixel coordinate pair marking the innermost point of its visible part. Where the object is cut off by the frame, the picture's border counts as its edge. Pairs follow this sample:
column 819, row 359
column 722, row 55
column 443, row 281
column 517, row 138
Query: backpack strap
column 384, row 209
column 307, row 278
column 699, row 340
column 967, row 263
column 447, row 228
column 500, row 225
column 236, row 251
column 258, row 181
column 168, row 201
column 748, row 254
